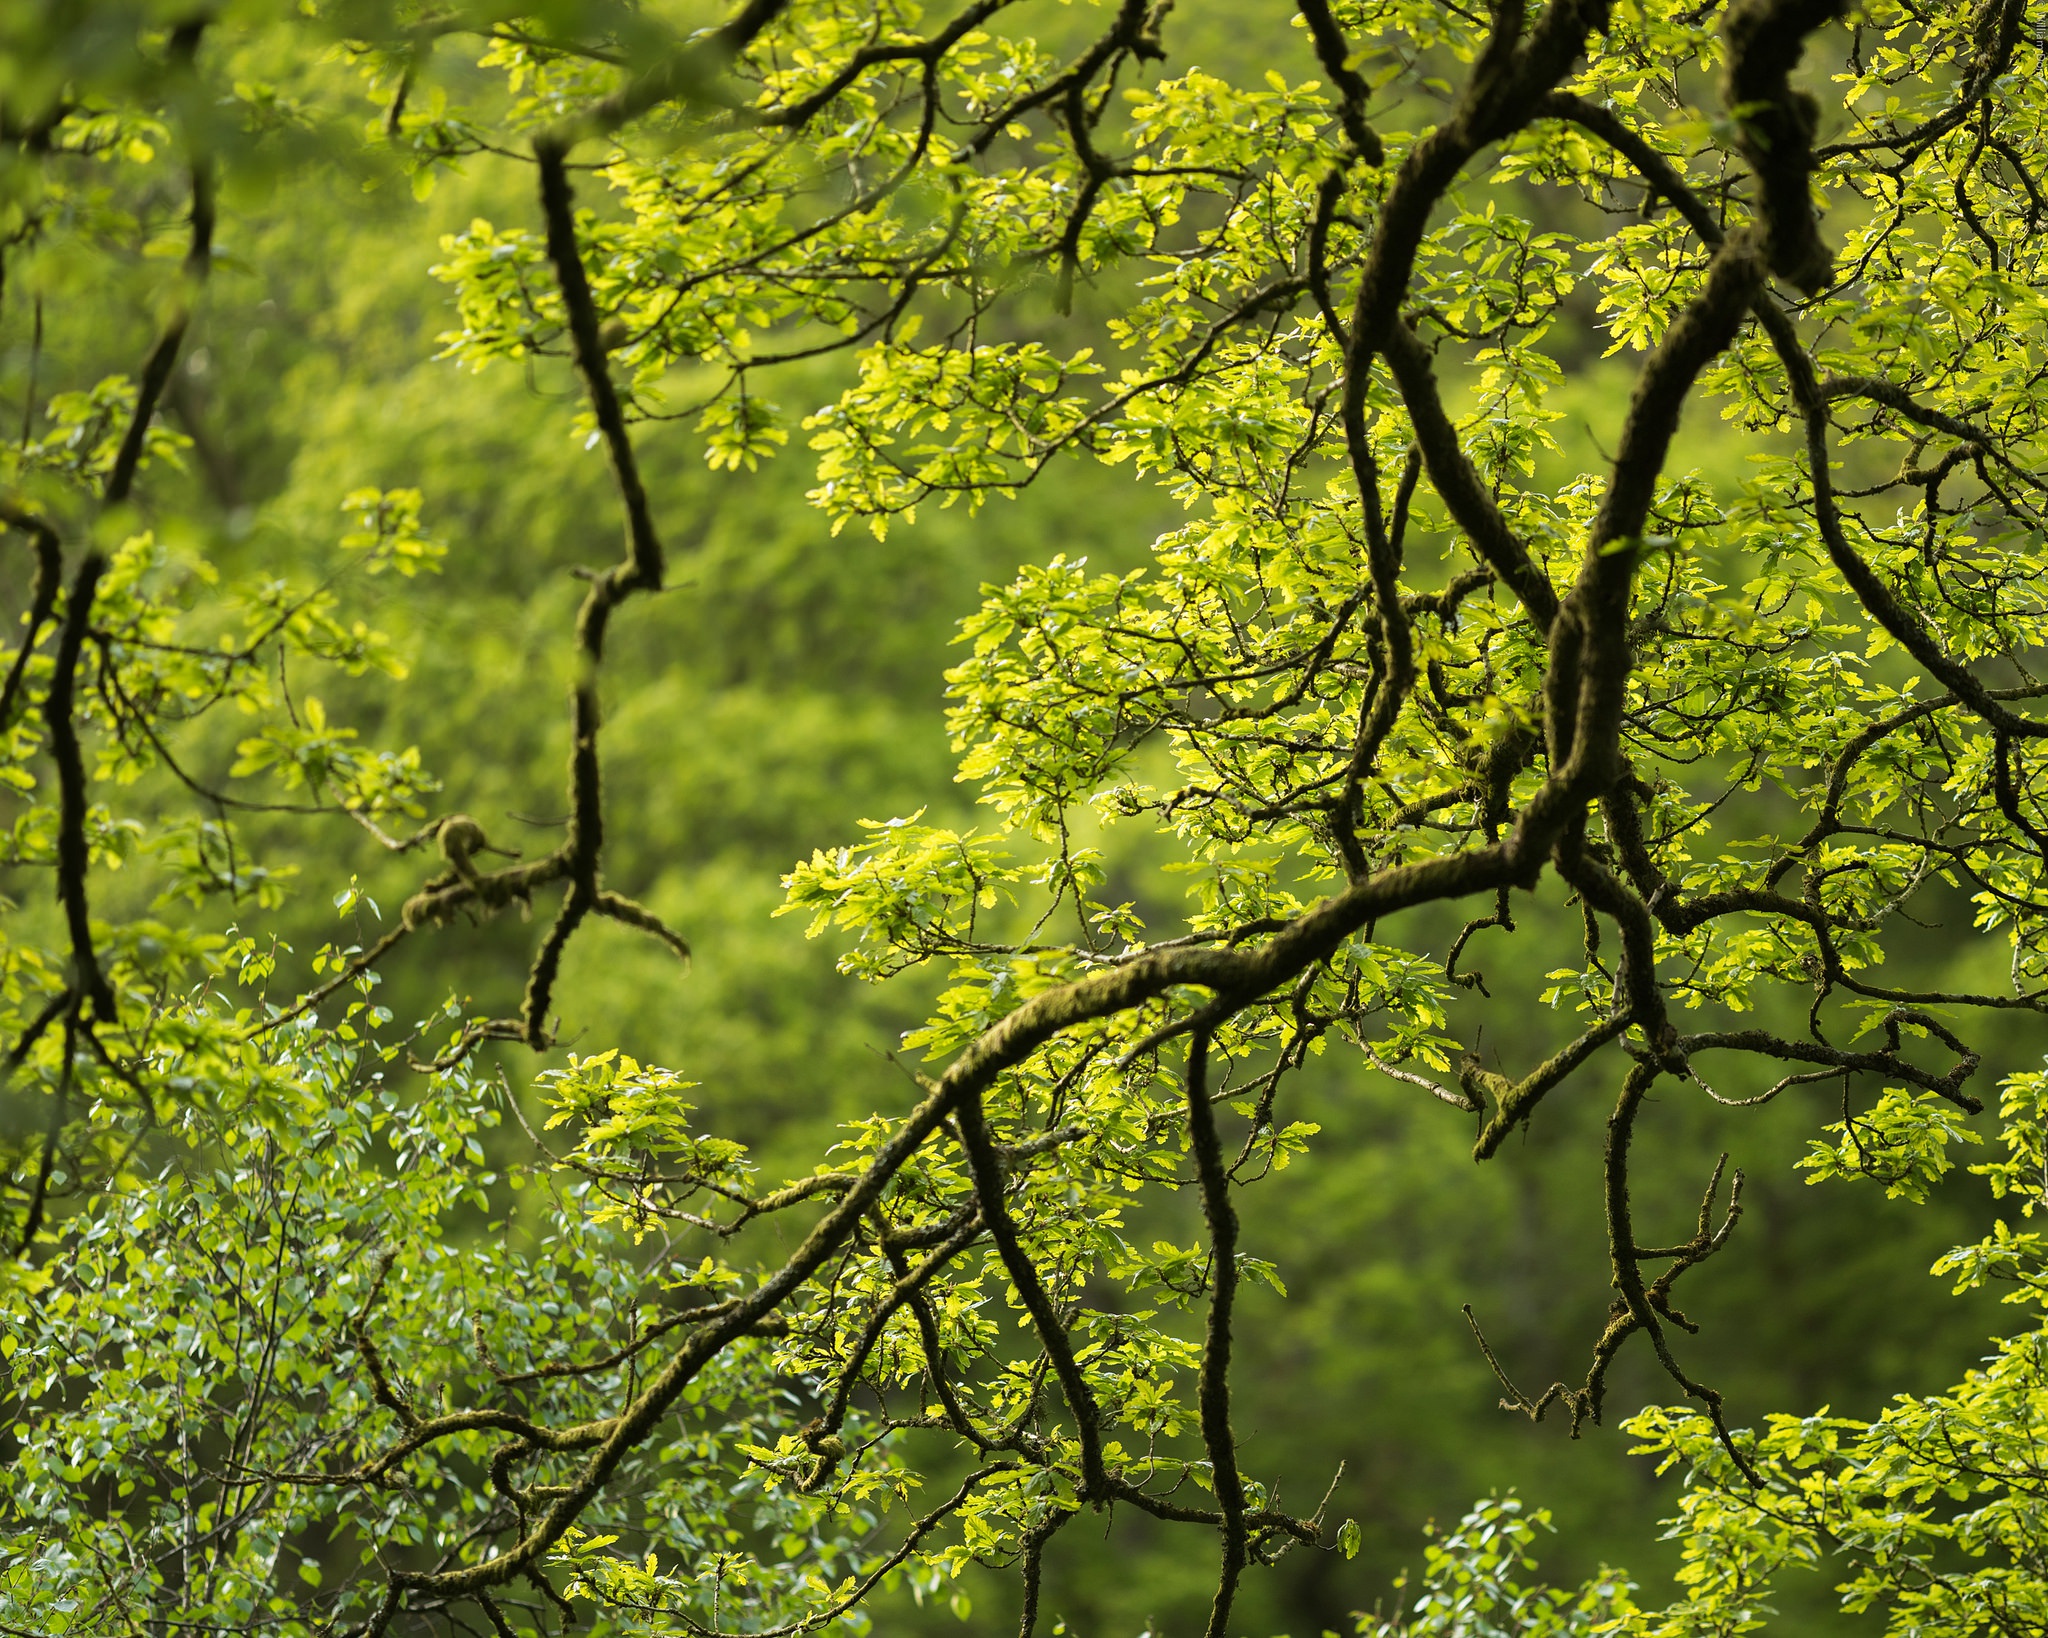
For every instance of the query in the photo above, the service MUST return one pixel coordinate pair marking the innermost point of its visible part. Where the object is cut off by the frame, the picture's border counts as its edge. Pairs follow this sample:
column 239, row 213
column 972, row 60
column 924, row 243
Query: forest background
column 785, row 688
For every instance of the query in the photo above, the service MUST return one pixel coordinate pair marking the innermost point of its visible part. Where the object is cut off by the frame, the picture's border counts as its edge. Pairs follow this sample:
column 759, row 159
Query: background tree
column 275, row 1361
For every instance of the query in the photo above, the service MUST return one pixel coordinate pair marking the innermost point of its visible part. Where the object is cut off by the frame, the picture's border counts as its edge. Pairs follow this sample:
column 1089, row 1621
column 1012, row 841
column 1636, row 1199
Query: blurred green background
column 789, row 685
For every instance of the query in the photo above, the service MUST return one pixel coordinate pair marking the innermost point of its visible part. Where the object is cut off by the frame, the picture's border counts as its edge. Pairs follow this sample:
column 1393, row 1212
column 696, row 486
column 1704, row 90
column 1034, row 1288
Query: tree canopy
column 322, row 1320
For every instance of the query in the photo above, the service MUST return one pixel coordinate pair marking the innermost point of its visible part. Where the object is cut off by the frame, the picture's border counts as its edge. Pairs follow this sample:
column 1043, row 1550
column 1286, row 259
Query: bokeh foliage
column 260, row 1257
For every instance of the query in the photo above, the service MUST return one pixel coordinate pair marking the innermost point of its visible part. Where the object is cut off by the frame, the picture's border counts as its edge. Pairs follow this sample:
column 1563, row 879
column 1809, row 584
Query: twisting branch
column 2006, row 20
column 989, row 1188
column 579, row 859
column 908, row 1285
column 1837, row 1060
column 1590, row 661
column 1635, row 1310
column 1214, row 1391
column 1637, row 1306
column 1810, row 395
column 1515, row 1101
column 1243, row 973
column 74, row 853
column 53, row 1128
column 581, row 853
column 1035, row 1539
column 926, row 52
column 1705, row 1241
column 1457, row 481
column 42, row 597
column 1383, row 704
column 1333, row 51
column 1774, row 126
column 198, row 263
column 642, row 570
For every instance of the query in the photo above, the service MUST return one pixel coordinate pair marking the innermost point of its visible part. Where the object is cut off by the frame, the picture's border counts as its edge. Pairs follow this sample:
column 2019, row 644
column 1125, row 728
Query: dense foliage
column 301, row 1337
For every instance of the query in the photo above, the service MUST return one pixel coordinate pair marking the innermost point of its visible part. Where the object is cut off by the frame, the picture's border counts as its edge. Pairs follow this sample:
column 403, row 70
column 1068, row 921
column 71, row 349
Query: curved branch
column 1213, row 1394
column 74, row 854
column 42, row 597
